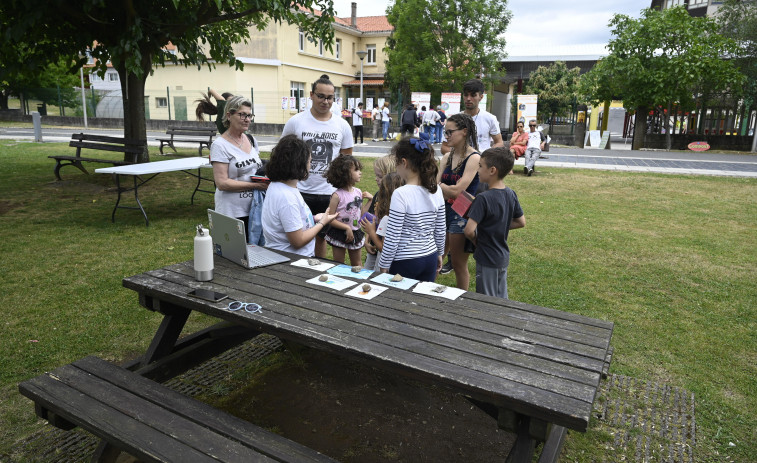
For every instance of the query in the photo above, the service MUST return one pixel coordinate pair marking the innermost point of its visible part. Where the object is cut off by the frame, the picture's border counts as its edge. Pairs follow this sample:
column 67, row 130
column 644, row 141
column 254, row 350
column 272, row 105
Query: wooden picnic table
column 536, row 370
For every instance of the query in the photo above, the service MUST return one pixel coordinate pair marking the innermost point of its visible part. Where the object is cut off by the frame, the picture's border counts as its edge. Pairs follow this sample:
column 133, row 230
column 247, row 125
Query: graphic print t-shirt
column 325, row 139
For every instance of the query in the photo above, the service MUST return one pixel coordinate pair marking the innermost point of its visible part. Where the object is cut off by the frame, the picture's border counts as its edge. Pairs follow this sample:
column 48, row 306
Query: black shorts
column 318, row 205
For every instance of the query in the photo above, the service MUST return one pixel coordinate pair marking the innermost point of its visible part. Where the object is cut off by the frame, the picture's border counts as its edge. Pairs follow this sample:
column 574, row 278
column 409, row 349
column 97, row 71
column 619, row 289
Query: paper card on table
column 386, row 279
column 427, row 287
column 358, row 292
column 332, row 282
column 462, row 204
column 346, row 271
column 321, row 267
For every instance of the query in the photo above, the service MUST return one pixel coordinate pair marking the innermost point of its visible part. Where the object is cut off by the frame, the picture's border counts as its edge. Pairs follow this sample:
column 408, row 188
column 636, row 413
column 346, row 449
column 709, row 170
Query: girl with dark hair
column 205, row 106
column 459, row 173
column 344, row 234
column 328, row 136
column 414, row 241
column 288, row 224
column 376, row 230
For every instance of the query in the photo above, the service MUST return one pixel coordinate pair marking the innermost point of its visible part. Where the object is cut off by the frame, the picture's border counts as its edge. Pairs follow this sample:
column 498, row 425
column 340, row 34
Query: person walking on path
column 492, row 215
column 487, row 125
column 328, row 136
column 357, row 122
column 430, row 118
column 408, row 120
column 536, row 140
column 386, row 119
column 376, row 118
column 439, row 124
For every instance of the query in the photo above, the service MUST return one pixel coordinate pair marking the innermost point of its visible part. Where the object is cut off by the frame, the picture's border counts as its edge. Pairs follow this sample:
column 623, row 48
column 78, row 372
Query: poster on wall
column 303, row 104
column 351, row 102
column 381, row 103
column 526, row 108
column 368, row 104
column 420, row 99
column 450, row 103
column 293, row 103
column 284, row 102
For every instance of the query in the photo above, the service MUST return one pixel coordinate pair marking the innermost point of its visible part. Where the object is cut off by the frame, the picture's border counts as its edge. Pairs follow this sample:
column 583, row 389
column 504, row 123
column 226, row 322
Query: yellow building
column 280, row 64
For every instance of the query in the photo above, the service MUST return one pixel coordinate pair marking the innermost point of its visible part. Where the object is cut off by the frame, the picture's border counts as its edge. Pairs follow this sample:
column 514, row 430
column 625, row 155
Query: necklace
column 236, row 142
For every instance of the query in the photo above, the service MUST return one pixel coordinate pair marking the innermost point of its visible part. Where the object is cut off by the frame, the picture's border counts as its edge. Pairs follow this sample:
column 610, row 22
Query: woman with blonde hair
column 235, row 158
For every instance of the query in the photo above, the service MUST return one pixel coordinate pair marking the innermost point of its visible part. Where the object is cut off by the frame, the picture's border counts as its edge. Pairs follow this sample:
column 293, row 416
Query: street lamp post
column 361, row 54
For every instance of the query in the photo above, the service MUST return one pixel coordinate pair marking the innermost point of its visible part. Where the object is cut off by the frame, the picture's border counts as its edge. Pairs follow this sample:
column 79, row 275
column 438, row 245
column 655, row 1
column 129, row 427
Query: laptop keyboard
column 257, row 259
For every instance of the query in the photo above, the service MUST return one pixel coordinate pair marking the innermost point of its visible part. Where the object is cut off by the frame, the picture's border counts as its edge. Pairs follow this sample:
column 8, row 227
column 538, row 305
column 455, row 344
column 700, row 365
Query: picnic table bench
column 149, row 421
column 206, row 135
column 130, row 148
column 535, row 370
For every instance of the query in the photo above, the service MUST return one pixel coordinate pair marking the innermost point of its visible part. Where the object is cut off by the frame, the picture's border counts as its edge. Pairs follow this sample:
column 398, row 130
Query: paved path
column 620, row 158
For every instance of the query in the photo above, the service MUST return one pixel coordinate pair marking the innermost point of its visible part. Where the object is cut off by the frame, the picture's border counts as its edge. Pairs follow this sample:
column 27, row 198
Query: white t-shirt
column 284, row 211
column 430, row 117
column 534, row 139
column 416, row 227
column 325, row 139
column 487, row 126
column 357, row 117
column 385, row 116
column 376, row 114
column 241, row 166
column 381, row 231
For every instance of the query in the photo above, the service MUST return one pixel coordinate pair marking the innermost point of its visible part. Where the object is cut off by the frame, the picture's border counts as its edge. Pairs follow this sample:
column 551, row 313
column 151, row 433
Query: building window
column 94, row 77
column 302, row 40
column 371, row 54
column 161, row 102
column 320, row 47
column 113, row 76
column 297, row 90
column 338, row 49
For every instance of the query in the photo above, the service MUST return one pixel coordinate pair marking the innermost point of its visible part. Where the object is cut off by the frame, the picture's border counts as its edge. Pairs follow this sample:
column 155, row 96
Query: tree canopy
column 556, row 87
column 738, row 21
column 439, row 44
column 132, row 35
column 665, row 57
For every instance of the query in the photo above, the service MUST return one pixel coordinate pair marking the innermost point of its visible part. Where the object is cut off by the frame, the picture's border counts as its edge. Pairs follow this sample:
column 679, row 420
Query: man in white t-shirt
column 487, row 125
column 357, row 122
column 386, row 119
column 327, row 135
column 536, row 141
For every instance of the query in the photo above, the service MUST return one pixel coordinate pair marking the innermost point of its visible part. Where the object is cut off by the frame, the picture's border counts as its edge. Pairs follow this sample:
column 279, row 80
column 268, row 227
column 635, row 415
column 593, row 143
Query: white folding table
column 153, row 169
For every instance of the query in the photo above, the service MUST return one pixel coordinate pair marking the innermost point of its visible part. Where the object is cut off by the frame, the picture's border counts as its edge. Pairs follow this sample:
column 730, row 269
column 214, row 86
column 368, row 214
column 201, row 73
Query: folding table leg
column 523, row 449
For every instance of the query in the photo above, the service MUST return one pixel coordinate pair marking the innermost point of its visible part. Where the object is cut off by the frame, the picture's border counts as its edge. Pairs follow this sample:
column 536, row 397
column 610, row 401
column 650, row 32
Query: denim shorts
column 455, row 223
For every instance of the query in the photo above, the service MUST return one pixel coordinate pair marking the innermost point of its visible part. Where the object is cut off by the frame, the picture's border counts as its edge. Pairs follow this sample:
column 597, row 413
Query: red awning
column 366, row 83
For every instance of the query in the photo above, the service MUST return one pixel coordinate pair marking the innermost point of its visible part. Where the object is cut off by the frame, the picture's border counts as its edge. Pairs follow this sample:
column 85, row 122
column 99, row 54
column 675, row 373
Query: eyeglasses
column 250, row 307
column 323, row 97
column 244, row 116
column 449, row 132
column 520, row 126
column 532, row 125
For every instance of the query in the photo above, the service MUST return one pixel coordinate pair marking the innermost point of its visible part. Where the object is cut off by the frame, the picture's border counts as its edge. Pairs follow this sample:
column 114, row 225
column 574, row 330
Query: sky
column 541, row 27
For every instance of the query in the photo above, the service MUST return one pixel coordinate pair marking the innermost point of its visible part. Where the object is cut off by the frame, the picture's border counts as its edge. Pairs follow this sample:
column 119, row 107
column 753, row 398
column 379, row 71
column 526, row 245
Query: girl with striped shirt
column 414, row 240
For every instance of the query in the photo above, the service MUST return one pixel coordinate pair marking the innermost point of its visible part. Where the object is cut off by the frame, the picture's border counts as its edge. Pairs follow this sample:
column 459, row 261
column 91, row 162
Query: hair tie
column 420, row 143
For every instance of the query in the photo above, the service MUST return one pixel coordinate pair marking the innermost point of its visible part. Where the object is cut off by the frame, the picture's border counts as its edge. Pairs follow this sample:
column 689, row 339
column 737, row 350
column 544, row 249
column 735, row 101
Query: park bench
column 130, row 148
column 147, row 420
column 202, row 135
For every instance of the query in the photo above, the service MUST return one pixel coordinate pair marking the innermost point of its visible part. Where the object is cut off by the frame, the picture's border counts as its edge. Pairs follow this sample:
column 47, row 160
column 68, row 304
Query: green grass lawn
column 671, row 260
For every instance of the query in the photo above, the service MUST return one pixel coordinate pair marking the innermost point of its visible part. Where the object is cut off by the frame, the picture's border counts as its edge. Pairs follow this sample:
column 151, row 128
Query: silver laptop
column 230, row 242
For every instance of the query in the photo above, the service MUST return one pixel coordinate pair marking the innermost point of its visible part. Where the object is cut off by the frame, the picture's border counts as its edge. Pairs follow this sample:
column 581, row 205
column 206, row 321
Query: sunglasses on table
column 250, row 307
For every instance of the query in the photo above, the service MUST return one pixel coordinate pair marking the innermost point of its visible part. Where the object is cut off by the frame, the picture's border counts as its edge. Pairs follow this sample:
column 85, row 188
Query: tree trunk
column 639, row 128
column 4, row 99
column 133, row 91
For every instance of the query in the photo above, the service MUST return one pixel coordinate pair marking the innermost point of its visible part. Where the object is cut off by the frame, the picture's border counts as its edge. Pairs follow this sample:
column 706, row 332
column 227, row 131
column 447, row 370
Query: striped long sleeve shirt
column 416, row 225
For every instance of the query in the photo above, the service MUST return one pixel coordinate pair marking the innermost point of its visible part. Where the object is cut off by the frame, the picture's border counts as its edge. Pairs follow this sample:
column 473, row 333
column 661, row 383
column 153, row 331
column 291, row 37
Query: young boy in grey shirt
column 492, row 215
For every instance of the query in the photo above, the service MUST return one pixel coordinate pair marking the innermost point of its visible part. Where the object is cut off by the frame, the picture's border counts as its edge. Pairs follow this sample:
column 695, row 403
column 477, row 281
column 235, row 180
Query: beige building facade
column 280, row 65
